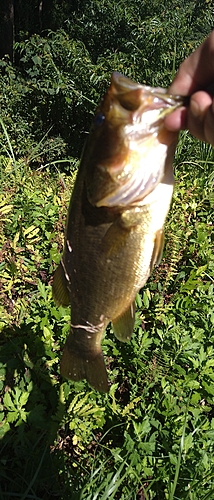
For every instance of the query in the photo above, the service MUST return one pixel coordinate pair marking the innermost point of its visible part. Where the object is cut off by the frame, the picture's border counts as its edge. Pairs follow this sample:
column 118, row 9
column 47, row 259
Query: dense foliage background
column 152, row 437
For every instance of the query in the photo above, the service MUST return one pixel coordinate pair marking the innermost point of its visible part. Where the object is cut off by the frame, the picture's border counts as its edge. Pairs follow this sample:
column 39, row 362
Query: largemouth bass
column 114, row 233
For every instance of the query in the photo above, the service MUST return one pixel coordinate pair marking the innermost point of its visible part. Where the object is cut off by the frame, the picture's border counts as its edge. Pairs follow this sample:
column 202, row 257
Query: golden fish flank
column 114, row 233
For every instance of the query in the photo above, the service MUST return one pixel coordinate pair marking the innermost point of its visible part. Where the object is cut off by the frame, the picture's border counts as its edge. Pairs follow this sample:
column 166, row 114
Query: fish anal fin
column 158, row 249
column 92, row 368
column 59, row 288
column 123, row 326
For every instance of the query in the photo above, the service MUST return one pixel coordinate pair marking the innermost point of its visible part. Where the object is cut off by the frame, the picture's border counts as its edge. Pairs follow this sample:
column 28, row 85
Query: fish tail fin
column 76, row 367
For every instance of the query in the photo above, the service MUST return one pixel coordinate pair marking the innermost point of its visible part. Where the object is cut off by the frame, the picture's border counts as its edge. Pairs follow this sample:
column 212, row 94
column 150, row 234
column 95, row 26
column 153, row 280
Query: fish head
column 129, row 148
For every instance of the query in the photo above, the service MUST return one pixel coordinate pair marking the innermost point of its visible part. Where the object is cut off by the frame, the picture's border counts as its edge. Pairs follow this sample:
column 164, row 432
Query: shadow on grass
column 31, row 466
column 38, row 460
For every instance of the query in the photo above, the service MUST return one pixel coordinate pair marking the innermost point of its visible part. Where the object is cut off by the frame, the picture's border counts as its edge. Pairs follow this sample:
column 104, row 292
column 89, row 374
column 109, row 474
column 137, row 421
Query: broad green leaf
column 8, row 401
column 12, row 416
column 24, row 398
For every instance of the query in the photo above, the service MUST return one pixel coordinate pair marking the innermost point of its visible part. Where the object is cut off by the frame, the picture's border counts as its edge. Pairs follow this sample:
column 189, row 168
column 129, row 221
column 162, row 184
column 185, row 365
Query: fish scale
column 114, row 233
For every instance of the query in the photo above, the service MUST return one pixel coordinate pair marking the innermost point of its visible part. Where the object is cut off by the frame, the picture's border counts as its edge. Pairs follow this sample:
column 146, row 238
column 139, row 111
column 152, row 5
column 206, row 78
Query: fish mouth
column 130, row 94
column 121, row 85
column 137, row 149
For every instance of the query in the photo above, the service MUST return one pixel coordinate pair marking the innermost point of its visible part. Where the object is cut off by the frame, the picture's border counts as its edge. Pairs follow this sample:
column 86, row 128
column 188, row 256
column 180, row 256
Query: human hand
column 194, row 78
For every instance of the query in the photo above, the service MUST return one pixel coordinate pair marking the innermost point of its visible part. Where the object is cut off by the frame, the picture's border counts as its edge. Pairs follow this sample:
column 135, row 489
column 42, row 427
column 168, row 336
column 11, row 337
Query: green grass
column 152, row 436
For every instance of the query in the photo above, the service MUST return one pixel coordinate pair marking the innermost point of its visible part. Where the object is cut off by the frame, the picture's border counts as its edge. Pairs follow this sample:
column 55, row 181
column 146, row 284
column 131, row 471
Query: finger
column 209, row 125
column 200, row 117
column 177, row 120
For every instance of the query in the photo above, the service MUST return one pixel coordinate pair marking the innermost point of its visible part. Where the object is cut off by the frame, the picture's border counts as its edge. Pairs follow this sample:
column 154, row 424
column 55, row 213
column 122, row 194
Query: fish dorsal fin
column 59, row 288
column 123, row 326
column 158, row 249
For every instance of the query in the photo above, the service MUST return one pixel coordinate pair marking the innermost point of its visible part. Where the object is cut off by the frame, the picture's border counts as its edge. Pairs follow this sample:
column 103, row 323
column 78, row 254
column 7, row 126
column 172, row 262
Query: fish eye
column 99, row 119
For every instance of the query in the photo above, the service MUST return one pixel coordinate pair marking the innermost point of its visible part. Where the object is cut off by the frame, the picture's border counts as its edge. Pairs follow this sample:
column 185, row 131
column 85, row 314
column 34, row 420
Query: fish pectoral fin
column 76, row 367
column 123, row 326
column 59, row 288
column 158, row 249
column 114, row 239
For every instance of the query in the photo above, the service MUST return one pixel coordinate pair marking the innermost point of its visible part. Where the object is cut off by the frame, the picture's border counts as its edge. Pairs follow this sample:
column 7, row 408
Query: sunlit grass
column 152, row 436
